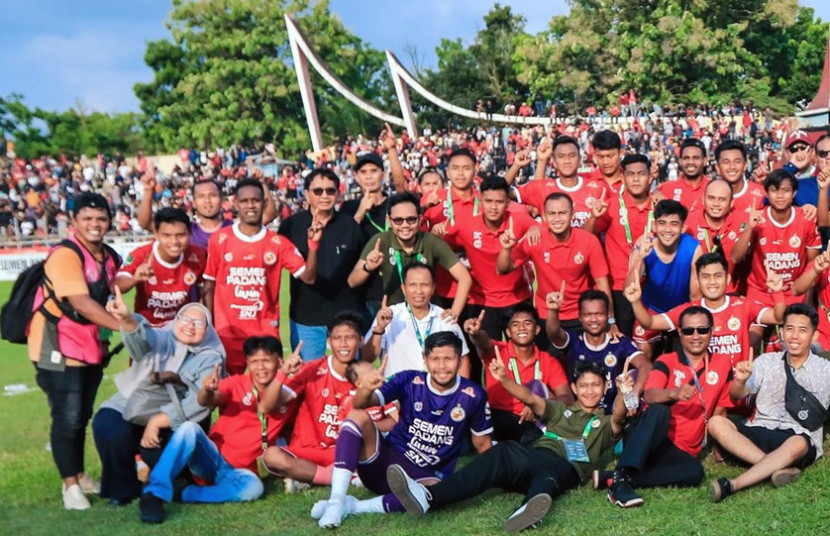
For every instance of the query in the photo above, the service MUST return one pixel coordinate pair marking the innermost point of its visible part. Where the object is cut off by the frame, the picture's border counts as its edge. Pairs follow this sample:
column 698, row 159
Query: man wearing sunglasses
column 808, row 188
column 684, row 389
column 312, row 305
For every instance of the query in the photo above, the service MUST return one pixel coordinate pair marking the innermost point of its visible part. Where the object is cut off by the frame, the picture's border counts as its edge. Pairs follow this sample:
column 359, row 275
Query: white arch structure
column 303, row 53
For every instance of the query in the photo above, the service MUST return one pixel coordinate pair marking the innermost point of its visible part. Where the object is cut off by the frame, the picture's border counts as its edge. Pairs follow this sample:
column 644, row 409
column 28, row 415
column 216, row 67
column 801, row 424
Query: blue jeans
column 313, row 337
column 191, row 447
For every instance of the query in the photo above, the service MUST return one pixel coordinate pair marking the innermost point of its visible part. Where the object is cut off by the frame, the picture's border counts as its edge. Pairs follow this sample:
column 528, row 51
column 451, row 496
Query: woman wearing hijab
column 158, row 393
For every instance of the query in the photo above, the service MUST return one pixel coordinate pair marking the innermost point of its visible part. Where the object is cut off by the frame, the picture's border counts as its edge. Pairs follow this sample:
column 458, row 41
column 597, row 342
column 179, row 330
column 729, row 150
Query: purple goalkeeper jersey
column 432, row 425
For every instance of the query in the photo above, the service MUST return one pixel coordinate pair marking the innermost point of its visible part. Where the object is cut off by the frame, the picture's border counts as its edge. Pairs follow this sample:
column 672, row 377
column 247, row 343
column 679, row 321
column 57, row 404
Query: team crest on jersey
column 247, row 399
column 457, row 414
column 578, row 258
column 153, row 281
column 700, row 234
column 763, row 241
column 269, row 258
column 189, row 278
column 610, row 360
column 129, row 259
column 679, row 378
column 547, row 257
column 325, row 391
column 419, row 406
column 222, row 238
column 712, row 378
column 276, row 239
column 469, row 391
column 228, row 256
column 639, row 331
column 732, row 235
column 477, row 239
column 595, row 423
column 734, row 323
column 193, row 258
column 417, row 380
column 795, row 241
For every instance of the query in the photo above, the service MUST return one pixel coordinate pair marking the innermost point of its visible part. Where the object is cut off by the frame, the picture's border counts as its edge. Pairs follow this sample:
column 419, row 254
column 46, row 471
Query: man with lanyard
column 607, row 152
column 623, row 219
column 665, row 266
column 404, row 244
column 531, row 367
column 710, row 225
column 566, row 160
column 808, row 193
column 226, row 459
column 776, row 443
column 688, row 188
column 733, row 314
column 683, row 391
column 576, row 438
column 399, row 331
column 312, row 305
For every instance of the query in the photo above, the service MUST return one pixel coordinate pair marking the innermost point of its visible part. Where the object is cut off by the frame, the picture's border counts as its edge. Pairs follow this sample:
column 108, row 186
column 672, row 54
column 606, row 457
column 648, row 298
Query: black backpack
column 16, row 313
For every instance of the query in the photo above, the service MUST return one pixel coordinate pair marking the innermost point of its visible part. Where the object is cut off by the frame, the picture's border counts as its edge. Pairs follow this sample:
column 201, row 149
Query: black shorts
column 768, row 440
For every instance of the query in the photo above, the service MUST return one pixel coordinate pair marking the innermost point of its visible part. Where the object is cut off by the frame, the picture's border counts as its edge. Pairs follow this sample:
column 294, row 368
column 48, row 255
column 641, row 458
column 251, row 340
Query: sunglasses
column 320, row 191
column 701, row 330
column 822, row 154
column 411, row 220
column 798, row 148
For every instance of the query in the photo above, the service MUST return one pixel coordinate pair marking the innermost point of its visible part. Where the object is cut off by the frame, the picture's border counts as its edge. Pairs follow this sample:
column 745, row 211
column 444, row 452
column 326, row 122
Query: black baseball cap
column 368, row 158
column 91, row 200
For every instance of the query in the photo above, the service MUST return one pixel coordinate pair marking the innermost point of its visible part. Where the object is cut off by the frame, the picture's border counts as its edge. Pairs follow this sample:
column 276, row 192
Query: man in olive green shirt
column 575, row 440
column 403, row 244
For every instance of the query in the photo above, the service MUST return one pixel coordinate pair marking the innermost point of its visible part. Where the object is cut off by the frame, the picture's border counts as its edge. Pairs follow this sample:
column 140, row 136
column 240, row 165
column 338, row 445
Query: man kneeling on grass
column 575, row 439
column 227, row 458
column 784, row 434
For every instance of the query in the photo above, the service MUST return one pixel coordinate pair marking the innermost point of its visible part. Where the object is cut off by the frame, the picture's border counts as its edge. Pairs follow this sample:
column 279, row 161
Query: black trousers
column 71, row 395
column 506, row 427
column 509, row 466
column 651, row 459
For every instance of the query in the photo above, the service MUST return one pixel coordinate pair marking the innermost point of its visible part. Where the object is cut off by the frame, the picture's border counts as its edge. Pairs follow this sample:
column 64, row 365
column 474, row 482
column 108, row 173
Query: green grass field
column 31, row 503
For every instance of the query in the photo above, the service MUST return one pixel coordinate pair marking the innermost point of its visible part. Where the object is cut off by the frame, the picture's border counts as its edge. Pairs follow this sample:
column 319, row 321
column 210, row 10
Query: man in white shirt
column 399, row 331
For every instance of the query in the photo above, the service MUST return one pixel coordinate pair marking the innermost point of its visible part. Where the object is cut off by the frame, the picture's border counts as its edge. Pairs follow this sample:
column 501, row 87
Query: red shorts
column 323, row 456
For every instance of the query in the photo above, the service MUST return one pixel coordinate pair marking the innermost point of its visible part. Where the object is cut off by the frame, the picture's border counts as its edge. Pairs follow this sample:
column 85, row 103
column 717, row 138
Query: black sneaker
column 603, row 479
column 623, row 495
column 720, row 489
column 151, row 508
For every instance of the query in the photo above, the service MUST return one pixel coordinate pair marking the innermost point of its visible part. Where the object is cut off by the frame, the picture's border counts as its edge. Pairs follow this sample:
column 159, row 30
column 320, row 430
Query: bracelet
column 378, row 332
column 366, row 268
column 313, row 245
column 280, row 377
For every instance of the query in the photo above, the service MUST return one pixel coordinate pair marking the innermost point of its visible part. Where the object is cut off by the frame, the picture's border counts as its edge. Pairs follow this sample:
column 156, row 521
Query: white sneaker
column 90, row 486
column 414, row 496
column 529, row 513
column 319, row 507
column 74, row 498
column 295, row 486
column 334, row 514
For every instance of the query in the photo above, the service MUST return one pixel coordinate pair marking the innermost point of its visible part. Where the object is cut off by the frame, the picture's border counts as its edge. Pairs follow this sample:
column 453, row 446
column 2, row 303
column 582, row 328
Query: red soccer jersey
column 687, row 424
column 613, row 187
column 690, row 196
column 482, row 247
column 578, row 260
column 237, row 432
column 727, row 234
column 785, row 247
column 159, row 298
column 543, row 367
column 750, row 197
column 617, row 244
column 247, row 274
column 823, row 289
column 321, row 391
column 582, row 194
column 731, row 330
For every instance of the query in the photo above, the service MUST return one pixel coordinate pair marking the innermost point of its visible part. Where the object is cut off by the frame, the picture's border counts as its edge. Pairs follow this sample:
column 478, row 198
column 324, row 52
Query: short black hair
column 430, row 169
column 821, row 138
column 248, row 181
column 667, row 207
column 522, row 308
column 91, row 200
column 711, row 258
column 564, row 140
column 171, row 215
column 802, row 309
column 353, row 319
column 418, row 266
column 692, row 142
column 461, row 151
column 404, row 197
column 587, row 367
column 442, row 338
column 267, row 343
column 321, row 172
column 605, row 140
column 636, row 158
column 495, row 182
column 730, row 145
column 205, row 181
column 351, row 370
column 777, row 177
column 592, row 295
column 559, row 196
column 696, row 310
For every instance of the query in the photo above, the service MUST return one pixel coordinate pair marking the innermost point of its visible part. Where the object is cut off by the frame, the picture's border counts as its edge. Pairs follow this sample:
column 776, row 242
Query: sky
column 57, row 53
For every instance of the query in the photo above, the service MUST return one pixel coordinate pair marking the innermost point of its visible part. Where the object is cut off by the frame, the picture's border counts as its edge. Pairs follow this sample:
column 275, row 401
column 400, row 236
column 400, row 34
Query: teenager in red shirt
column 607, row 152
column 688, row 188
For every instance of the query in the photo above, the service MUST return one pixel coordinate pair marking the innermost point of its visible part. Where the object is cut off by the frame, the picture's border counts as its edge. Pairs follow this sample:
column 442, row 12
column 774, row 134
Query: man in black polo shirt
column 339, row 249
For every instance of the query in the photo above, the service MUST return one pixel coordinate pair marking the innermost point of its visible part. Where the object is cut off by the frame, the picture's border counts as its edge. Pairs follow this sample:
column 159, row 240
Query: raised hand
column 743, row 369
column 293, row 363
column 823, row 179
column 315, row 230
column 775, row 282
column 116, row 306
column 211, row 381
column 633, row 292
column 432, row 199
column 554, row 300
column 384, row 315
column 497, row 369
column 644, row 244
column 600, row 205
column 375, row 257
column 821, row 262
column 439, row 229
column 522, row 158
column 544, row 150
column 760, row 173
column 449, row 316
column 368, row 378
column 533, row 235
column 809, row 212
column 756, row 216
column 507, row 239
column 387, row 137
column 144, row 271
column 148, row 180
column 473, row 325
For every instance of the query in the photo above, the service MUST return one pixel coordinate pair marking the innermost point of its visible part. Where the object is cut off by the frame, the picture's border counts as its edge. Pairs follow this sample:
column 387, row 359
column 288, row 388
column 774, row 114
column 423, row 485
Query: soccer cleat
column 720, row 489
column 414, row 496
column 603, row 479
column 150, row 509
column 74, row 498
column 320, row 507
column 786, row 476
column 529, row 513
column 623, row 495
column 333, row 515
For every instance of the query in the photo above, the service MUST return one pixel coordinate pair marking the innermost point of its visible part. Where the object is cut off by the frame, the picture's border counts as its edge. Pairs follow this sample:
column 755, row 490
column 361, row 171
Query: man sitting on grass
column 227, row 458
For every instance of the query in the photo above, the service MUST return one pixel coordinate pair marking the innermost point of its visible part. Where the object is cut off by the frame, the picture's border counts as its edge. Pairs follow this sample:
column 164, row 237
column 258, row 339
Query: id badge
column 576, row 451
column 260, row 467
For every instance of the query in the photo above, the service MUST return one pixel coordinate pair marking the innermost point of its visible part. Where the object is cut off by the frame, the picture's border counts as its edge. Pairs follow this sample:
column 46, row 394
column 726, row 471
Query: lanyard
column 375, row 225
column 415, row 327
column 537, row 370
column 699, row 388
column 399, row 262
column 624, row 215
column 585, row 432
column 451, row 212
column 263, row 420
column 709, row 248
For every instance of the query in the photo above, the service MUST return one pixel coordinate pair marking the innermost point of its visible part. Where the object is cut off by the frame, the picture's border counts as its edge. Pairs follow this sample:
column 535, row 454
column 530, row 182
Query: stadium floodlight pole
column 402, row 91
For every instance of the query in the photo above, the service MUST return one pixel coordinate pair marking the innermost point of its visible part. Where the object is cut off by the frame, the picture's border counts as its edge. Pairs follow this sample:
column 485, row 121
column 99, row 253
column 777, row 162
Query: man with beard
column 688, row 188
